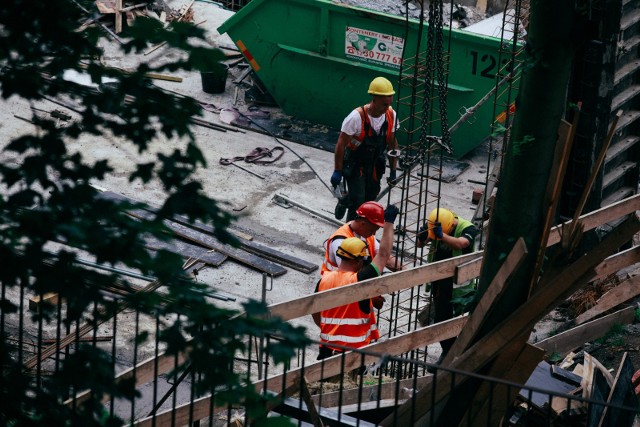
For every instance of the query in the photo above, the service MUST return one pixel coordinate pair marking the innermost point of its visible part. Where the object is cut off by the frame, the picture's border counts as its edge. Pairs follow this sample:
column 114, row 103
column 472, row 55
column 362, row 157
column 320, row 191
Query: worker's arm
column 386, row 242
column 341, row 145
column 456, row 243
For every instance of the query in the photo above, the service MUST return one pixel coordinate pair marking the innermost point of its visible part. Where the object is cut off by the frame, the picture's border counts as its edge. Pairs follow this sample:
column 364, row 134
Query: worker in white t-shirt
column 366, row 135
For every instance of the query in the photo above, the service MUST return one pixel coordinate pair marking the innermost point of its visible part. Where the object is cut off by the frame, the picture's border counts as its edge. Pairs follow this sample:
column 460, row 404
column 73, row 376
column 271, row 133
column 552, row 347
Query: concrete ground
column 290, row 230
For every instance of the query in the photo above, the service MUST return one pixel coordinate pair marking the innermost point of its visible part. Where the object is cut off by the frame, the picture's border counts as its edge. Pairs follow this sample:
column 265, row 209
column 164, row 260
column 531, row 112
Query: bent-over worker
column 452, row 236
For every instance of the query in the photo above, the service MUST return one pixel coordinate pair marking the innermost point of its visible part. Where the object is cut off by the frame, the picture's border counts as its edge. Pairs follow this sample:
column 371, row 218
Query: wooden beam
column 494, row 399
column 566, row 136
column 118, row 10
column 589, row 221
column 385, row 284
column 186, row 250
column 467, row 271
column 622, row 292
column 48, row 298
column 599, row 217
column 246, row 242
column 480, row 312
column 397, row 390
column 574, row 338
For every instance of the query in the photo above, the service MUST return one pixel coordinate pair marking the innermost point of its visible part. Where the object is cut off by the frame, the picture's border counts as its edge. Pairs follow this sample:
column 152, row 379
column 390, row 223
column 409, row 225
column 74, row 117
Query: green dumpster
column 317, row 58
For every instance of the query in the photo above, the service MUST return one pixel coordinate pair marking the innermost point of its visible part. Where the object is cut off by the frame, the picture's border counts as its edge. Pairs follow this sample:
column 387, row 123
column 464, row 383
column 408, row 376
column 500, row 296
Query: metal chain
column 435, row 56
column 441, row 75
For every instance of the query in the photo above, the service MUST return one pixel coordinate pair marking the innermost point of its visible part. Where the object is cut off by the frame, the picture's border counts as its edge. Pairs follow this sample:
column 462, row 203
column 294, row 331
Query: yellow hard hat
column 381, row 86
column 444, row 216
column 352, row 248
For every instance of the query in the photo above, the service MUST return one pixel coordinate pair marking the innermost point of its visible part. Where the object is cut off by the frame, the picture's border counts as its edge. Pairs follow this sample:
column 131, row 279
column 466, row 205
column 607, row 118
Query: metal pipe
column 279, row 198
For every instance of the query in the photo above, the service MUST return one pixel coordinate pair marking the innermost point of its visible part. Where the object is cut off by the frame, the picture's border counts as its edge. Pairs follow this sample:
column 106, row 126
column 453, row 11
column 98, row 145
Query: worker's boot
column 341, row 209
column 423, row 316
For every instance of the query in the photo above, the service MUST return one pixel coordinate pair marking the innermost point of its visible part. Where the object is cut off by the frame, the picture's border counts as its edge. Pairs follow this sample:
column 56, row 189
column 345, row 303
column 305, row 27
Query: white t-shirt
column 335, row 244
column 352, row 124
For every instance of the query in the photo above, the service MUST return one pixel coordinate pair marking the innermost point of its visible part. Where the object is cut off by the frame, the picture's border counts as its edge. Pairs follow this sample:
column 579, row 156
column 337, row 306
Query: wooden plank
column 48, row 297
column 385, row 284
column 311, row 406
column 574, row 338
column 483, row 308
column 622, row 292
column 239, row 255
column 118, row 11
column 211, row 242
column 397, row 390
column 496, row 398
column 106, row 6
column 599, row 217
column 596, row 383
column 566, row 136
column 247, row 244
column 187, row 250
column 518, row 323
column 467, row 271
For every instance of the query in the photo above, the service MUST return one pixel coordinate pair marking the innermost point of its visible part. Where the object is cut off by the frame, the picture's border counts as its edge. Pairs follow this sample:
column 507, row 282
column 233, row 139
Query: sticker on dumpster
column 374, row 48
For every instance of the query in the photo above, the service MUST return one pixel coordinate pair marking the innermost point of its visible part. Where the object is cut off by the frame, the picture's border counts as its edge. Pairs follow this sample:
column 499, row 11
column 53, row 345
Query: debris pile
column 130, row 10
column 583, row 380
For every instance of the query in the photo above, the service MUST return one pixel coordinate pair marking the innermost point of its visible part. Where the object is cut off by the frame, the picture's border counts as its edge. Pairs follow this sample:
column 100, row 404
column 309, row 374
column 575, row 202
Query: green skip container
column 317, row 59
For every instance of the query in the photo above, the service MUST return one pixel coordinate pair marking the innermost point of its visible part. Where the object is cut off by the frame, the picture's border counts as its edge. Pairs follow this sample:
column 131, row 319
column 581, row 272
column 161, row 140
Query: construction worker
column 360, row 154
column 451, row 236
column 369, row 218
column 354, row 324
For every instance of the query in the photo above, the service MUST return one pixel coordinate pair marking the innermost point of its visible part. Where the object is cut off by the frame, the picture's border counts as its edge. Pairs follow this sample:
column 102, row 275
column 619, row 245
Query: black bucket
column 214, row 81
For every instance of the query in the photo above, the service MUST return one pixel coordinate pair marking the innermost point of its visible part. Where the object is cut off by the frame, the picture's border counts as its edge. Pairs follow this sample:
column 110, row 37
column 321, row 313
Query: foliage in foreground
column 47, row 197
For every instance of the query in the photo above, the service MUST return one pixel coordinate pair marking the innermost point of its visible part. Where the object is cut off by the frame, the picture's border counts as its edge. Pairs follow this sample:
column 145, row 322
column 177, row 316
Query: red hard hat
column 372, row 211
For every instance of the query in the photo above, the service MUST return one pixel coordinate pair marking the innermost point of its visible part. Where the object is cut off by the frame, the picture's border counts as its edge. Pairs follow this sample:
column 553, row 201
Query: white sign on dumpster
column 373, row 47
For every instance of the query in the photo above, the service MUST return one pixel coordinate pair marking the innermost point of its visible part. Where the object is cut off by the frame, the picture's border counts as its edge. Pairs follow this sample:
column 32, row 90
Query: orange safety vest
column 344, row 231
column 346, row 325
column 367, row 130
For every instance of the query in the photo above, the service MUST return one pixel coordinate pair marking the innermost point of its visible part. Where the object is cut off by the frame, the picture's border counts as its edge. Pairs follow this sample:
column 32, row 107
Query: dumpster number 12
column 488, row 65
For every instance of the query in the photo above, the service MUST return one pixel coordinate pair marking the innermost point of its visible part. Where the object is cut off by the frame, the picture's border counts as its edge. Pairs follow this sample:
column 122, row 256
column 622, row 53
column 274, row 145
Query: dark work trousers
column 361, row 188
column 442, row 293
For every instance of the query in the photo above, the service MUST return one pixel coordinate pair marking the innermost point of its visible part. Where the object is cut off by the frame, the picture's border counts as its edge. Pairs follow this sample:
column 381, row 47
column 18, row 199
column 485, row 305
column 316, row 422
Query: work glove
column 378, row 302
column 422, row 236
column 437, row 230
column 336, row 177
column 391, row 213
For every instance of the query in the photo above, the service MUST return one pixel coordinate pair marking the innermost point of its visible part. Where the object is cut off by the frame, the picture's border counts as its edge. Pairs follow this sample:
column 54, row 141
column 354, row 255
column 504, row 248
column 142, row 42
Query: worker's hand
column 437, row 230
column 391, row 213
column 422, row 236
column 378, row 302
column 336, row 177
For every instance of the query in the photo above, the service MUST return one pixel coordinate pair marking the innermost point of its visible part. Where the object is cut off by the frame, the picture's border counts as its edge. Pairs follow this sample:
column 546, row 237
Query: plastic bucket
column 214, row 81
